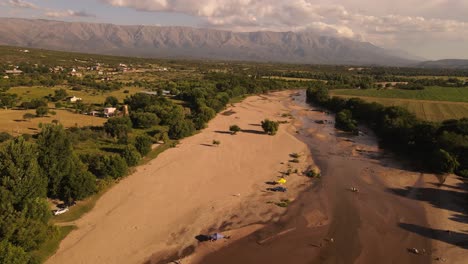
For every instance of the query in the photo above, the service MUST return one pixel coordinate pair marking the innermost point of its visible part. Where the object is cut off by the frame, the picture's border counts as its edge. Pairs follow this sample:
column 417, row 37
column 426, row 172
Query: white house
column 14, row 71
column 74, row 99
column 109, row 111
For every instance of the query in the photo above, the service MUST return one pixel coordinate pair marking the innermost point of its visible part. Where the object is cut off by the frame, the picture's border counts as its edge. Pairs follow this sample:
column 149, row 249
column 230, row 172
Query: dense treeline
column 438, row 147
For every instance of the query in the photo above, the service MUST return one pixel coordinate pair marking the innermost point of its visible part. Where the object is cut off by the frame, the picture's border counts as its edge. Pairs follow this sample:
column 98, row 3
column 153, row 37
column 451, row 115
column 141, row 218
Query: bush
column 443, row 162
column 216, row 142
column 345, row 122
column 234, row 129
column 181, row 129
column 111, row 100
column 144, row 120
column 42, row 110
column 143, row 144
column 131, row 155
column 313, row 174
column 270, row 127
column 4, row 136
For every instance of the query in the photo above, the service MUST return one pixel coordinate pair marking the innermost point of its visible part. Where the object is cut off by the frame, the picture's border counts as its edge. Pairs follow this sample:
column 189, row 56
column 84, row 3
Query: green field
column 432, row 103
column 430, row 93
column 88, row 96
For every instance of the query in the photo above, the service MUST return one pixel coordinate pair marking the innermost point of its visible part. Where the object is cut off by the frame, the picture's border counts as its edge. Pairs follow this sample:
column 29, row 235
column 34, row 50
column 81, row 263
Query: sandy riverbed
column 193, row 189
column 396, row 209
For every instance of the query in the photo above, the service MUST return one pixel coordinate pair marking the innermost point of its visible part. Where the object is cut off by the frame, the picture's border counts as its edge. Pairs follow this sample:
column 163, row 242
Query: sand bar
column 191, row 188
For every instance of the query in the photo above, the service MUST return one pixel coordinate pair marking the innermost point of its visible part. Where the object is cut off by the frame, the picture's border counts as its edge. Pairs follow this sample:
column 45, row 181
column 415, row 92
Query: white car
column 61, row 211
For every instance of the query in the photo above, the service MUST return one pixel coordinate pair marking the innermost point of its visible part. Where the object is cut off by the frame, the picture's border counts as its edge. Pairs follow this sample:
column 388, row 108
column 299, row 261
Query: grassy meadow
column 433, row 93
column 89, row 96
column 432, row 104
column 12, row 122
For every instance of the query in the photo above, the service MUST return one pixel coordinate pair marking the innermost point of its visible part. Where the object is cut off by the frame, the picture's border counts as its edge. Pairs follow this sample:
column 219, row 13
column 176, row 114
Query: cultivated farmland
column 432, row 104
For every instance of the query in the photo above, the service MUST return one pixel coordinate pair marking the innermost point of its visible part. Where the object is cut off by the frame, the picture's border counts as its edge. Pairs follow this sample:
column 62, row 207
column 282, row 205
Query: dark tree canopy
column 270, row 127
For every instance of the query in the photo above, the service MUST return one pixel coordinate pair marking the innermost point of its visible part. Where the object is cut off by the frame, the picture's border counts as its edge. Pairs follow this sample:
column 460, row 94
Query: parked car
column 61, row 211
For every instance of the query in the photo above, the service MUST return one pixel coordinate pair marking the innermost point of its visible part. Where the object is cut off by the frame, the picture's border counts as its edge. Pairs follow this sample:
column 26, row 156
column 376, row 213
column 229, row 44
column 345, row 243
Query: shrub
column 131, row 155
column 181, row 129
column 4, row 136
column 143, row 144
column 270, row 127
column 313, row 174
column 42, row 110
column 144, row 120
column 234, row 129
column 344, row 121
column 216, row 142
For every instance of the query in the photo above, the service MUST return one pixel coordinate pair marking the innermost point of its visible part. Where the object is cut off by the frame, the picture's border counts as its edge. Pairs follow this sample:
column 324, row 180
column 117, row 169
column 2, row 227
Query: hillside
column 193, row 43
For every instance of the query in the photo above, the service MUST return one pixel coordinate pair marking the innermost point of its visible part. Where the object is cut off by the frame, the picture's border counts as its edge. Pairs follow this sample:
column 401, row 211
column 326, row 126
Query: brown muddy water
column 330, row 224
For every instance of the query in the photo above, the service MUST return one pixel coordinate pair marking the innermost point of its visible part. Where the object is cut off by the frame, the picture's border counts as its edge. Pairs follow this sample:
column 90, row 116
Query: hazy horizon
column 430, row 29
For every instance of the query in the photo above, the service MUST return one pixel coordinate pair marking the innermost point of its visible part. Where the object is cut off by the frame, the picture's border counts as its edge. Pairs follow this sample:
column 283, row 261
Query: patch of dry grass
column 11, row 121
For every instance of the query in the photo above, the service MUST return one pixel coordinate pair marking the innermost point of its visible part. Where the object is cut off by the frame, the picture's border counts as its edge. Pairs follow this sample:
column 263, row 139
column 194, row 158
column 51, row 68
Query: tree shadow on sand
column 223, row 132
column 251, row 131
column 453, row 238
column 444, row 199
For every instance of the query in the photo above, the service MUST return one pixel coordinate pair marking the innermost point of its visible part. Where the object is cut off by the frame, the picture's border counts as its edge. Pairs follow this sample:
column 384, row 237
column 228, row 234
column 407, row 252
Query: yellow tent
column 281, row 181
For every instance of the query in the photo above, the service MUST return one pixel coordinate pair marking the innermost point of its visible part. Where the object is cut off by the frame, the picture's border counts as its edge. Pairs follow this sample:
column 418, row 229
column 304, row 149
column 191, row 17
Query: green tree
column 116, row 167
column 344, row 121
column 20, row 172
column 144, row 120
column 42, row 111
column 181, row 129
column 78, row 184
column 8, row 100
column 60, row 94
column 118, row 127
column 12, row 254
column 234, row 129
column 111, row 100
column 28, row 116
column 203, row 115
column 131, row 155
column 4, row 136
column 68, row 178
column 270, row 127
column 143, row 144
column 443, row 162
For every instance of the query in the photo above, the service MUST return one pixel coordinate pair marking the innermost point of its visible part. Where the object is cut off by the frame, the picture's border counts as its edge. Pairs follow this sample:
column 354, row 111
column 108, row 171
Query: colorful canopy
column 281, row 181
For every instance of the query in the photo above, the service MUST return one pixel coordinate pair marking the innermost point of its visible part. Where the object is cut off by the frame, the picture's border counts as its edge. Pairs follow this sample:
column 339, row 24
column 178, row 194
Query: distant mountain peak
column 195, row 43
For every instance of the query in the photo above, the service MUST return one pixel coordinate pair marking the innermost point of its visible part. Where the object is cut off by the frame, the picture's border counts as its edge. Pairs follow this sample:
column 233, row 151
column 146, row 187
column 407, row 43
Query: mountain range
column 194, row 43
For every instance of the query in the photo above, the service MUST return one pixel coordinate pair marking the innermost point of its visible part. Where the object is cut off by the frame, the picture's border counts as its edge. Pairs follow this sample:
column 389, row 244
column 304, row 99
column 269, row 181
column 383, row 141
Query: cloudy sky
column 432, row 29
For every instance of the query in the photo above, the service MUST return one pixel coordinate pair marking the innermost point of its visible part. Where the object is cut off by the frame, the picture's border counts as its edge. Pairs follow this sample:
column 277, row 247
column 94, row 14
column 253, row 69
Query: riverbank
column 194, row 189
column 395, row 211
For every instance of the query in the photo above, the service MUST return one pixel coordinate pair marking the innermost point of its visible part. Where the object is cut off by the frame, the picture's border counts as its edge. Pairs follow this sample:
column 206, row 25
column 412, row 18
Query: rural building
column 166, row 92
column 6, row 77
column 150, row 93
column 74, row 99
column 94, row 113
column 75, row 73
column 14, row 71
column 109, row 111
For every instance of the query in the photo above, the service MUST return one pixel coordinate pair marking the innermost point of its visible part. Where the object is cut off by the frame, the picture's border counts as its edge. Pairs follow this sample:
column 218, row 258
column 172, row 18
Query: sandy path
column 190, row 189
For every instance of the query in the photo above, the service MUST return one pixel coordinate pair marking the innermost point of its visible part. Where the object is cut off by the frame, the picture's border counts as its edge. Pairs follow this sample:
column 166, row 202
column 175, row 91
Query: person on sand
column 218, row 236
